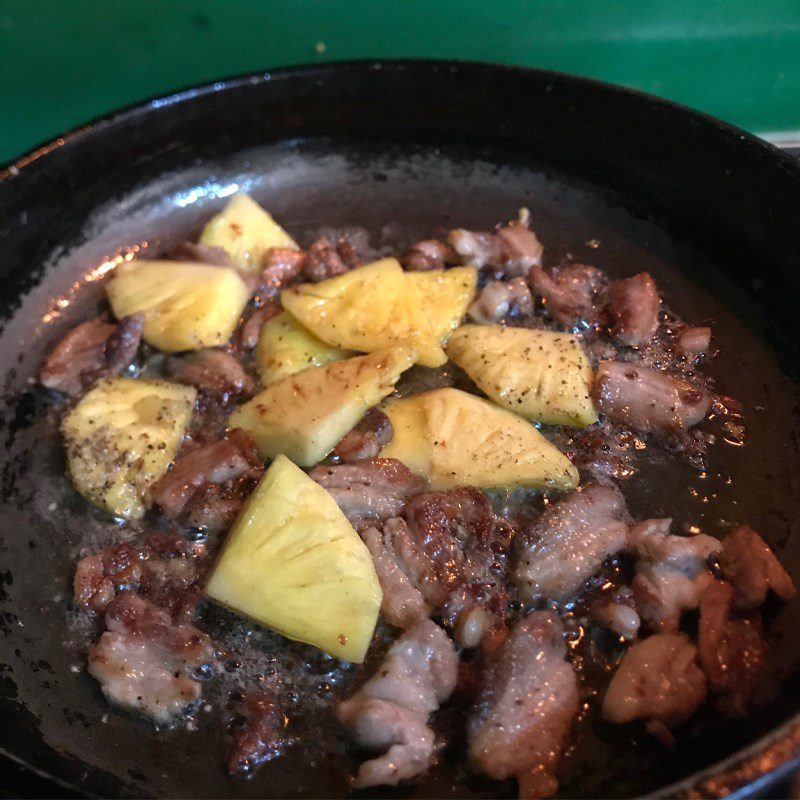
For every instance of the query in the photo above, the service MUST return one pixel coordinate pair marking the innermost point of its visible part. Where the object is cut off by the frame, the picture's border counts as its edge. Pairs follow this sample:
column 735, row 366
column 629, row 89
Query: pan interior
column 55, row 715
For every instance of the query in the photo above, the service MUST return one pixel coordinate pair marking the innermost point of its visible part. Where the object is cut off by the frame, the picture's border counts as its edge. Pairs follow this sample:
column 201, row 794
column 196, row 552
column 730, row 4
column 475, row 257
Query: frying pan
column 404, row 148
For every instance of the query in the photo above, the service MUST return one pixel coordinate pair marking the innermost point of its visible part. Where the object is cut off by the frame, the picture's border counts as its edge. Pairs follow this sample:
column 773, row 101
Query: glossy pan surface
column 405, row 149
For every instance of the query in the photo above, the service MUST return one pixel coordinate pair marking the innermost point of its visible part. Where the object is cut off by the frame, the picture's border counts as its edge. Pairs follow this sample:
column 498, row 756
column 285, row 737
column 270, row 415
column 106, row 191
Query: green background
column 63, row 62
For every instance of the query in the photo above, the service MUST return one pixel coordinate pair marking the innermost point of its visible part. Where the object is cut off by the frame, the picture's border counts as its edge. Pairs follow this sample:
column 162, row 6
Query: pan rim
column 739, row 774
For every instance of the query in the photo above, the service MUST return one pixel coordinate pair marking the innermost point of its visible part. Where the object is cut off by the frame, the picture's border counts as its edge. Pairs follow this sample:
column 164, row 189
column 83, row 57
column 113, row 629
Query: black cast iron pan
column 403, row 148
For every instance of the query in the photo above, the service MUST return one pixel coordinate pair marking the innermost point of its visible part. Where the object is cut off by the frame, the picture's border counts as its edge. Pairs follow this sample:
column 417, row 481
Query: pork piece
column 478, row 248
column 389, row 713
column 731, row 647
column 634, row 306
column 526, row 707
column 569, row 294
column 251, row 328
column 163, row 569
column 367, row 439
column 694, row 341
column 230, row 466
column 750, row 565
column 454, row 550
column 262, row 738
column 648, row 401
column 202, row 253
column 429, row 254
column 403, row 604
column 90, row 351
column 658, row 681
column 323, row 261
column 617, row 613
column 98, row 576
column 499, row 298
column 215, row 372
column 145, row 662
column 369, row 491
column 605, row 450
column 514, row 248
column 281, row 266
column 569, row 543
column 671, row 572
column 521, row 249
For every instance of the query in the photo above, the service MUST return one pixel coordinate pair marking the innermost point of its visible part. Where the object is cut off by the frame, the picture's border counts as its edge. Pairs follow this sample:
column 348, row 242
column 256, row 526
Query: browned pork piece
column 672, row 571
column 634, row 306
column 369, row 491
column 215, row 372
column 750, row 565
column 145, row 662
column 90, row 351
column 323, row 261
column 647, row 400
column 569, row 294
column 262, row 738
column 499, row 298
column 514, row 248
column 658, row 680
column 251, row 327
column 367, row 439
column 429, row 254
column 208, row 483
column 731, row 648
column 448, row 554
column 569, row 543
column 389, row 713
column 163, row 569
column 526, row 706
column 281, row 265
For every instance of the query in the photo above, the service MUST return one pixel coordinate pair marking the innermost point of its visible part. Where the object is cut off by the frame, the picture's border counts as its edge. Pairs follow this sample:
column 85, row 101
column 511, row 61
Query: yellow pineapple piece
column 306, row 414
column 463, row 440
column 286, row 347
column 442, row 297
column 121, row 437
column 246, row 231
column 186, row 306
column 541, row 375
column 293, row 562
column 365, row 309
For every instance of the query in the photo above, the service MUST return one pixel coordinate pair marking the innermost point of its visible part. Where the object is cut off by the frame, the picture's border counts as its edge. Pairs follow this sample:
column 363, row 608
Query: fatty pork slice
column 390, row 712
column 647, row 400
column 672, row 572
column 658, row 681
column 526, row 707
column 145, row 662
column 369, row 491
column 569, row 543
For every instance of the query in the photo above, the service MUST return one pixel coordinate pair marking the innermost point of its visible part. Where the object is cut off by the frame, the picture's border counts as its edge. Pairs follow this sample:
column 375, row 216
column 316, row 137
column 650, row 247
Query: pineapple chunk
column 286, row 347
column 306, row 414
column 366, row 309
column 463, row 440
column 186, row 306
column 122, row 436
column 293, row 562
column 541, row 375
column 246, row 231
column 442, row 297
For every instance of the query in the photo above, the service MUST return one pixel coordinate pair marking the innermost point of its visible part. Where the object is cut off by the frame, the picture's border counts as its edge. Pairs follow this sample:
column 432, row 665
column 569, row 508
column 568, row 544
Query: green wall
column 62, row 62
